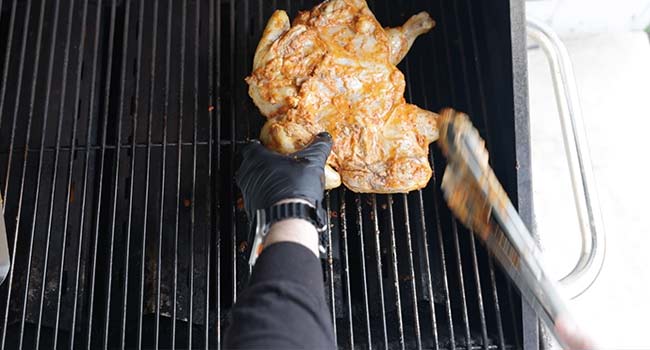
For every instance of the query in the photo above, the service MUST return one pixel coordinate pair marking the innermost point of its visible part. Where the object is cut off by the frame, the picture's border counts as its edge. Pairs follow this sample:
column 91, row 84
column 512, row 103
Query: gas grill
column 120, row 126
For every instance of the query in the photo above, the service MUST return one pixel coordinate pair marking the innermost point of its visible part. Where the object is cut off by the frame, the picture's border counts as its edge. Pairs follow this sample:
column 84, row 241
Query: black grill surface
column 120, row 123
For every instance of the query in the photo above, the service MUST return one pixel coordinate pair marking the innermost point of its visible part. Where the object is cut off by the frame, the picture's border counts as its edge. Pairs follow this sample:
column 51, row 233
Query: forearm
column 294, row 230
column 284, row 305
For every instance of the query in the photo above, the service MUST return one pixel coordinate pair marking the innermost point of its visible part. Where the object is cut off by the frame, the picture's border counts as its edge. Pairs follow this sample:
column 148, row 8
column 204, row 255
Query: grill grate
column 120, row 123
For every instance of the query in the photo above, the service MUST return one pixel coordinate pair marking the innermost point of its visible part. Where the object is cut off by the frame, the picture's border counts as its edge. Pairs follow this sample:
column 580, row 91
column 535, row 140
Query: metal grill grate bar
column 233, row 135
column 382, row 315
column 163, row 174
column 364, row 281
column 477, row 70
column 13, row 131
column 215, row 104
column 152, row 87
column 393, row 258
column 82, row 45
column 429, row 286
column 213, row 198
column 330, row 263
column 3, row 95
column 19, row 83
column 513, row 317
column 57, row 154
column 134, row 128
column 477, row 278
column 408, row 233
column 30, row 118
column 425, row 241
column 244, row 60
column 117, row 163
column 179, row 160
column 346, row 264
column 497, row 307
column 416, row 313
column 461, row 282
column 443, row 263
column 390, row 14
column 87, row 161
column 5, row 80
column 105, row 116
column 56, row 161
column 195, row 116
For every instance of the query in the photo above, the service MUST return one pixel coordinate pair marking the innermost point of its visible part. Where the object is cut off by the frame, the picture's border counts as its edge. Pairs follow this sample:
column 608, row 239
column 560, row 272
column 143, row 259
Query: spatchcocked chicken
column 333, row 69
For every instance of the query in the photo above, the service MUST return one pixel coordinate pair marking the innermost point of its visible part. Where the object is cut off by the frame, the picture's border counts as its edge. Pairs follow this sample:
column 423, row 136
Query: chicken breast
column 334, row 70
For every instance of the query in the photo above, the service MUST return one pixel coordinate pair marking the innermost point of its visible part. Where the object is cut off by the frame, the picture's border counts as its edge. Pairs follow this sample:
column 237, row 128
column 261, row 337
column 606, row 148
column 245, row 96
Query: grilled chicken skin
column 333, row 69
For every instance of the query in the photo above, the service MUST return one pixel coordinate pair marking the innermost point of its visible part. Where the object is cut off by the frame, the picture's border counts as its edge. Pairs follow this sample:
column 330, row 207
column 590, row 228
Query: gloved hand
column 266, row 177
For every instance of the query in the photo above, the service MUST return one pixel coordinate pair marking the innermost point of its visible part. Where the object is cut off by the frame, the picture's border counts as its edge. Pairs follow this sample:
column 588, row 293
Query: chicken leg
column 401, row 38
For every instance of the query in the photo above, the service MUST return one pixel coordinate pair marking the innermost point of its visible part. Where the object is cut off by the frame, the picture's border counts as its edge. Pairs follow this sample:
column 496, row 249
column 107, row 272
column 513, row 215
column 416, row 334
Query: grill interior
column 120, row 123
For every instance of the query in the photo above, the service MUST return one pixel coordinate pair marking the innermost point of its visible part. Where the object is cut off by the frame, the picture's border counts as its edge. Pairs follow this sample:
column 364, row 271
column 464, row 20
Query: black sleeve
column 284, row 305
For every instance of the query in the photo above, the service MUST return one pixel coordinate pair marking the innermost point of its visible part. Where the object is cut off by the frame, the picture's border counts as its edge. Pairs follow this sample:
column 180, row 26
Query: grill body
column 120, row 123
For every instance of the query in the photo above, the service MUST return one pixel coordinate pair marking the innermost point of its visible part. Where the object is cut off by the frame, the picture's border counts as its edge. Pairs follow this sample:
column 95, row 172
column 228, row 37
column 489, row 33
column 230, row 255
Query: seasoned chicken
column 334, row 70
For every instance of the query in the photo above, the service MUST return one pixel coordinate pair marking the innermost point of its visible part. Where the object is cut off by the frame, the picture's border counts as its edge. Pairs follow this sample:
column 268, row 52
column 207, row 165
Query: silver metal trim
column 260, row 232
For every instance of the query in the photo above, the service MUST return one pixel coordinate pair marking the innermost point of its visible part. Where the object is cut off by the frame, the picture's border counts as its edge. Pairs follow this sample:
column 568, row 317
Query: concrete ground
column 613, row 77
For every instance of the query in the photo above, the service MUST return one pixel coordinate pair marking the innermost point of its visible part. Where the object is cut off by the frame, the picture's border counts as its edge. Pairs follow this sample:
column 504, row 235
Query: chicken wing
column 333, row 69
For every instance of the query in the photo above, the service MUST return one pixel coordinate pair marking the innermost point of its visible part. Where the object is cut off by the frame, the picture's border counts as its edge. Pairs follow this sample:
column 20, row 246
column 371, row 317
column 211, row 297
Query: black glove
column 266, row 177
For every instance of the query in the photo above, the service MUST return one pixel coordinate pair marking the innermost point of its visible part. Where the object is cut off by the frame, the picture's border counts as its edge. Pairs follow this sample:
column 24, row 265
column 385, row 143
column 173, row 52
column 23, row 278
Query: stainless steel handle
column 592, row 255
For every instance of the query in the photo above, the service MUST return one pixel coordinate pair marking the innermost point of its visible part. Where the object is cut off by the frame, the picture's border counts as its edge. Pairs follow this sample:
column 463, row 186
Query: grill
column 120, row 123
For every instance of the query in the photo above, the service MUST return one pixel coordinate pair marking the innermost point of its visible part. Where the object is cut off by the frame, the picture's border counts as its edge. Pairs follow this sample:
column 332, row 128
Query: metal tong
column 4, row 248
column 476, row 197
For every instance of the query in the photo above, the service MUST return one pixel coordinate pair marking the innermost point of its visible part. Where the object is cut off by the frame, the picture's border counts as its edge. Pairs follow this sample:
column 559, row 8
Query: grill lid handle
column 592, row 254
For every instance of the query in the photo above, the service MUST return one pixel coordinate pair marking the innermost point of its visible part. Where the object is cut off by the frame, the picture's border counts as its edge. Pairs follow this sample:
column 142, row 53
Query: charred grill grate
column 120, row 123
